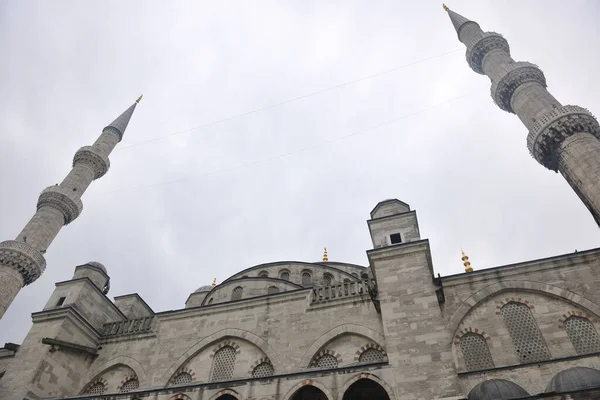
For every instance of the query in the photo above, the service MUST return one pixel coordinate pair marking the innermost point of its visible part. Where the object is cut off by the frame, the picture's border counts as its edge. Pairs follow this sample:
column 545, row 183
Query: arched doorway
column 309, row 393
column 366, row 389
column 226, row 397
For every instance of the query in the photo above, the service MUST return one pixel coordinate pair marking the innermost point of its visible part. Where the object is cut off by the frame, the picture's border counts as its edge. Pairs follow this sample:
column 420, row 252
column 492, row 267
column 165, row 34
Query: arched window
column 262, row 370
column 182, row 378
column 524, row 332
column 263, row 274
column 476, row 352
column 96, row 388
column 272, row 290
column 130, row 385
column 371, row 356
column 223, row 363
column 327, row 361
column 364, row 276
column 285, row 275
column 237, row 293
column 306, row 278
column 354, row 274
column 327, row 280
column 583, row 335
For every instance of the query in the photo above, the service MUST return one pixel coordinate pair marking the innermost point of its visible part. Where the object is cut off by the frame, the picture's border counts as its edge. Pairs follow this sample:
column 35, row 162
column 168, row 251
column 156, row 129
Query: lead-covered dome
column 575, row 378
column 97, row 265
column 496, row 389
column 203, row 289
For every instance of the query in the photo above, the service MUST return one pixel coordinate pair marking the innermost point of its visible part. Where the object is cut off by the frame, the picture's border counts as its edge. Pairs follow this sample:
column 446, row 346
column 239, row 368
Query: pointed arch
column 224, row 392
column 369, row 376
column 516, row 286
column 121, row 360
column 336, row 332
column 221, row 335
column 308, row 382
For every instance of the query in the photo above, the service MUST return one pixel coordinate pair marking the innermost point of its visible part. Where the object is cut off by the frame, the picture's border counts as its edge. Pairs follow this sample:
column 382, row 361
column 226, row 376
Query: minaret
column 22, row 260
column 563, row 139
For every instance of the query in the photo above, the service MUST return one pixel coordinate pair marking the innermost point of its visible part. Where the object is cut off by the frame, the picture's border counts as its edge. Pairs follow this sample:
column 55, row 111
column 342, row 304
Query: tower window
column 61, row 301
column 395, row 238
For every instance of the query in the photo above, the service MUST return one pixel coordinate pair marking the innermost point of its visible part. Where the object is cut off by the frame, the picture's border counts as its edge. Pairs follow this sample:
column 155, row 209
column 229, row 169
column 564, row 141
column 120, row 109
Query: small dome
column 496, row 389
column 575, row 378
column 203, row 289
column 97, row 265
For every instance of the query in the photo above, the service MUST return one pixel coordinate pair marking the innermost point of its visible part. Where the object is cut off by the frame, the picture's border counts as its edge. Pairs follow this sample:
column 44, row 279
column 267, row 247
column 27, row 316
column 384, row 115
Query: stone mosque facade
column 389, row 330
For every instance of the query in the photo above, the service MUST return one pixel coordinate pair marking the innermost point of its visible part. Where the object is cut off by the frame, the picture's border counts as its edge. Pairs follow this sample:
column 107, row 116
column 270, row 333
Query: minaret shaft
column 562, row 138
column 22, row 260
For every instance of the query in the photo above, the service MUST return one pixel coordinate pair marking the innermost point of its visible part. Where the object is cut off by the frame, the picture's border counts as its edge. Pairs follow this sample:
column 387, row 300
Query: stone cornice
column 89, row 282
column 71, row 313
column 150, row 310
column 285, row 264
column 391, row 216
column 524, row 267
column 401, row 250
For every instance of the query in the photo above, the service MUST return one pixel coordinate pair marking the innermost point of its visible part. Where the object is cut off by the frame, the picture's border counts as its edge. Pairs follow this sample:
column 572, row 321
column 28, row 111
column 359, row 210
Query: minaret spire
column 22, row 260
column 564, row 139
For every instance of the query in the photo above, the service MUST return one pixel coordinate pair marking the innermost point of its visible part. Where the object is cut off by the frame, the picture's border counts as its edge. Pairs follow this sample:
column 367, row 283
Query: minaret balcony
column 62, row 199
column 511, row 77
column 28, row 261
column 482, row 44
column 88, row 156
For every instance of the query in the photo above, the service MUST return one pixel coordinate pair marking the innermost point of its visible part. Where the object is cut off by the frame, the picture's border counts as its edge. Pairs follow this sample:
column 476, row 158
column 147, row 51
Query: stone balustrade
column 346, row 289
column 128, row 327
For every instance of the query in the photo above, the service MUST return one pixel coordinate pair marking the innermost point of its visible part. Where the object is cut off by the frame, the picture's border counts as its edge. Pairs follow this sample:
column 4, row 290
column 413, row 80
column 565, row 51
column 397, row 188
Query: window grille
column 272, row 289
column 583, row 335
column 263, row 274
column 285, row 275
column 96, row 388
column 237, row 293
column 130, row 385
column 223, row 364
column 524, row 332
column 181, row 378
column 326, row 362
column 327, row 280
column 262, row 370
column 306, row 278
column 476, row 352
column 371, row 356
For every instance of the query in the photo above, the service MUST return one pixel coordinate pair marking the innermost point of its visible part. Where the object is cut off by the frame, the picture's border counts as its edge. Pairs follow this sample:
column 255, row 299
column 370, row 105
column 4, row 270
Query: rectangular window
column 395, row 238
column 60, row 301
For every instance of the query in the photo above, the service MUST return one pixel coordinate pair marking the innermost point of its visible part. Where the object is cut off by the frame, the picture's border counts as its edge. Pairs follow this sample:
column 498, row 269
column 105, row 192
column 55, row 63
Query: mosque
column 389, row 330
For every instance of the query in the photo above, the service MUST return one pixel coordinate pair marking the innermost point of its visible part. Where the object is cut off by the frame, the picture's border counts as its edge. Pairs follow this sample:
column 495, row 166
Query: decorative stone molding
column 482, row 44
column 28, row 261
column 93, row 383
column 224, row 344
column 62, row 200
column 555, row 126
column 367, row 347
column 88, row 156
column 515, row 75
column 257, row 363
column 471, row 330
column 323, row 353
column 575, row 313
column 182, row 371
column 502, row 303
column 125, row 380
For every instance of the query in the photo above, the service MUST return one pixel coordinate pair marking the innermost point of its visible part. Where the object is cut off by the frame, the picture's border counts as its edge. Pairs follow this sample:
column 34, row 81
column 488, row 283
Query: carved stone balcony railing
column 129, row 327
column 347, row 289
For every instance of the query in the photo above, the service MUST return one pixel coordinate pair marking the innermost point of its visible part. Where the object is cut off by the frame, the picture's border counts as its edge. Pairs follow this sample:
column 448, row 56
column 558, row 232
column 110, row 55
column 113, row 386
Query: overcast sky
column 383, row 105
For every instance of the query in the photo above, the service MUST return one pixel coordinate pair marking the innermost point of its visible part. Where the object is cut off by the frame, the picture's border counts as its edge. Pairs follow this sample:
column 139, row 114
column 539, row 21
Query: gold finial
column 445, row 7
column 214, row 282
column 466, row 262
column 325, row 254
column 139, row 99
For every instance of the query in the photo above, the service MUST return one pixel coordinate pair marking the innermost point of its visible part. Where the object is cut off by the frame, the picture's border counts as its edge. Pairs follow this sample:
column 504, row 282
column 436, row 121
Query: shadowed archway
column 365, row 389
column 309, row 393
column 227, row 397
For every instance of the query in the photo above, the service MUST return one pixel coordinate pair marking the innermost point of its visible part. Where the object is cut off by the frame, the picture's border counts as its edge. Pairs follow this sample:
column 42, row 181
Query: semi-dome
column 205, row 288
column 496, row 389
column 97, row 265
column 575, row 378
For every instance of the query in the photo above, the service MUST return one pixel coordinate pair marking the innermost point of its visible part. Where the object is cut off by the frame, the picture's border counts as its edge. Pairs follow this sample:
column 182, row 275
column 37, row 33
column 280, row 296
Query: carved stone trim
column 258, row 362
column 471, row 330
column 482, row 44
column 323, row 353
column 515, row 75
column 225, row 343
column 28, row 261
column 367, row 347
column 555, row 126
column 88, row 156
column 62, row 200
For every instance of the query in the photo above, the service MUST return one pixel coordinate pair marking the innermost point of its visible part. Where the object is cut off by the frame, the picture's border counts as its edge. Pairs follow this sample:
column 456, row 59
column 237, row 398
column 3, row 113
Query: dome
column 497, row 389
column 97, row 265
column 203, row 289
column 575, row 378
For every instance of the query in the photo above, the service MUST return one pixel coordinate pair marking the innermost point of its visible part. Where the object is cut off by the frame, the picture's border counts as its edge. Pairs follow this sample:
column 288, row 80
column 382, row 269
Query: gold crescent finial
column 445, row 7
column 466, row 262
column 214, row 282
column 325, row 254
column 139, row 99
